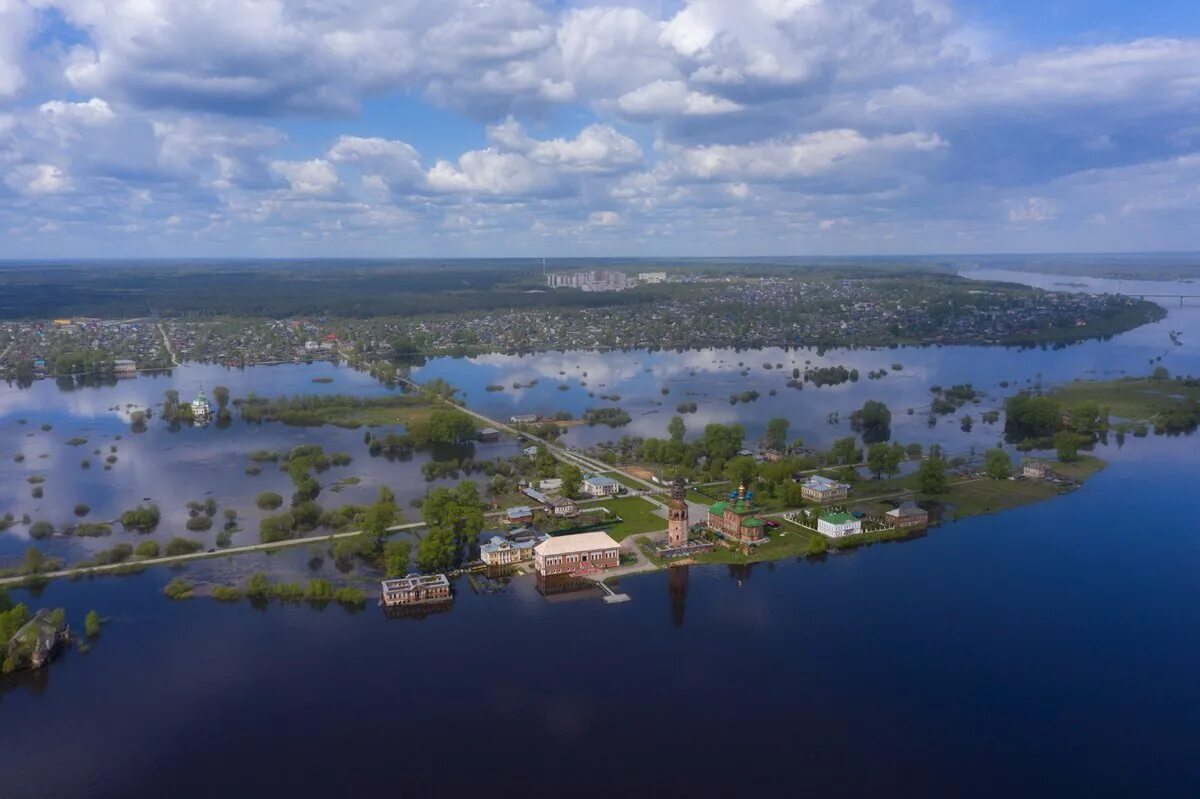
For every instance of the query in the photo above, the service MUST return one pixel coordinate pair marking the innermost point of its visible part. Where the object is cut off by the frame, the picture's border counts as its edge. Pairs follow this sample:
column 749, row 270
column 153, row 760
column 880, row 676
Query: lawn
column 637, row 516
column 1132, row 399
column 632, row 485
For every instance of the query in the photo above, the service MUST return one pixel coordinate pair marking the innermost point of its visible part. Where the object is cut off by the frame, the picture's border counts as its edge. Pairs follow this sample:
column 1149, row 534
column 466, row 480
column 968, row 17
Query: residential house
column 522, row 514
column 561, row 506
column 908, row 514
column 1035, row 470
column 599, row 486
column 822, row 489
column 837, row 525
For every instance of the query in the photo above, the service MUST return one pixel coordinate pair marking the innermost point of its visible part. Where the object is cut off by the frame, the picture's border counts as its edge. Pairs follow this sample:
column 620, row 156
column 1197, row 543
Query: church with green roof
column 735, row 519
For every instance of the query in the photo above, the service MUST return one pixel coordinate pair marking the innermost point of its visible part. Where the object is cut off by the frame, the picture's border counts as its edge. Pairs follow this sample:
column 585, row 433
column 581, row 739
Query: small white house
column 553, row 484
column 598, row 486
column 837, row 525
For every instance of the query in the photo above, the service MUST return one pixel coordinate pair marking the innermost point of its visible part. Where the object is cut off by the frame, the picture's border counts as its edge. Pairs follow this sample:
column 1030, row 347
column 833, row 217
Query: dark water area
column 1050, row 650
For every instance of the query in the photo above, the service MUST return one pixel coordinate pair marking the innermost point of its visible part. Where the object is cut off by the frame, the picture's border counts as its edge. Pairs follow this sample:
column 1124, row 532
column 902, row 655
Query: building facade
column 598, row 486
column 500, row 551
column 1035, row 470
column 822, row 489
column 736, row 519
column 908, row 514
column 837, row 525
column 576, row 554
column 677, row 515
column 415, row 589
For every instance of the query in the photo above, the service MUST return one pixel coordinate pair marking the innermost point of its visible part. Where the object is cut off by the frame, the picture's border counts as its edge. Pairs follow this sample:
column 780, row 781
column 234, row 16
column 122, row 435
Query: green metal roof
column 753, row 521
column 837, row 518
column 718, row 507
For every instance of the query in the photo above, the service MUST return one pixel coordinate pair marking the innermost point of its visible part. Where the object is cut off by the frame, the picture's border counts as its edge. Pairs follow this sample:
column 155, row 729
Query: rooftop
column 837, row 518
column 578, row 542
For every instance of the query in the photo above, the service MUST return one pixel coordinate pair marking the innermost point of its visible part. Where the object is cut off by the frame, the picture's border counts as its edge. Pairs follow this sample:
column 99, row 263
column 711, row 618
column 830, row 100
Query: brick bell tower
column 677, row 515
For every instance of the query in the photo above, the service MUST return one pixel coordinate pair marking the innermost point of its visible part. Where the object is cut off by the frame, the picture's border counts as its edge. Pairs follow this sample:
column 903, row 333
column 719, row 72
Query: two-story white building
column 837, row 525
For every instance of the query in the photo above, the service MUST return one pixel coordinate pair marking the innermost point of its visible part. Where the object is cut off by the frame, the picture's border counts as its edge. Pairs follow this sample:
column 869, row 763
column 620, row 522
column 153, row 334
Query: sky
column 459, row 128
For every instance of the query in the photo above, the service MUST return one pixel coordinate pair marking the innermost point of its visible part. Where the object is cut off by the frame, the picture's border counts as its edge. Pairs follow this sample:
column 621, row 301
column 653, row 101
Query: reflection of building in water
column 566, row 586
column 416, row 611
column 677, row 588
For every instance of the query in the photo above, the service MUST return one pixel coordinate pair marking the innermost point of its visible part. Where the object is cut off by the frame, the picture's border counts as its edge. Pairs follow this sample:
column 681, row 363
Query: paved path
column 167, row 343
column 216, row 553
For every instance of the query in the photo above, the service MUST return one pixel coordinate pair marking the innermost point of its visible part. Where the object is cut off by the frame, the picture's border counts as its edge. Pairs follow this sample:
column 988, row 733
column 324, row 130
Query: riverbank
column 962, row 499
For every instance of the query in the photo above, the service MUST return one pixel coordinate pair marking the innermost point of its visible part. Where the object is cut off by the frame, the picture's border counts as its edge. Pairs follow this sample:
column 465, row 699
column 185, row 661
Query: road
column 216, row 553
column 167, row 343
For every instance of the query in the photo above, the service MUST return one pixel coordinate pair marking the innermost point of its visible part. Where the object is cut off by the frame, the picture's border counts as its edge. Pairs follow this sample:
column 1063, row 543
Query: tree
column 437, row 550
column 572, row 479
column 874, row 421
column 776, row 434
column 997, row 464
column 1027, row 416
column 878, row 456
column 845, row 450
column 1067, row 445
column 258, row 586
column 742, row 470
column 396, row 557
column 91, row 624
column 895, row 457
column 221, row 395
column 676, row 428
column 931, row 476
column 722, row 442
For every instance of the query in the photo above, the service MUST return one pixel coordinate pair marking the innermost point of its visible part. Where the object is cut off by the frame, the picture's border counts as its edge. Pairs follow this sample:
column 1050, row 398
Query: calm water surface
column 1049, row 650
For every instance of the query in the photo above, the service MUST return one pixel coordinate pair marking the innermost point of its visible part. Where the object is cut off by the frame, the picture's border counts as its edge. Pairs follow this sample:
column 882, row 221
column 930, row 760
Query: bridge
column 1181, row 297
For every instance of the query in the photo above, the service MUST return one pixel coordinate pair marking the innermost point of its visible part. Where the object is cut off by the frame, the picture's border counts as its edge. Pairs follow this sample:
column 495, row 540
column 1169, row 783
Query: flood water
column 1048, row 650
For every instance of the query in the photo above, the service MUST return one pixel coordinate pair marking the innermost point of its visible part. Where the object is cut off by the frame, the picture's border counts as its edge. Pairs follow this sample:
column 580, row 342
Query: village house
column 598, row 486
column 489, row 434
column 822, row 489
column 525, row 418
column 521, row 514
column 561, row 506
column 837, row 525
column 125, row 368
column 1035, row 470
column 908, row 514
column 502, row 551
column 579, row 553
column 414, row 589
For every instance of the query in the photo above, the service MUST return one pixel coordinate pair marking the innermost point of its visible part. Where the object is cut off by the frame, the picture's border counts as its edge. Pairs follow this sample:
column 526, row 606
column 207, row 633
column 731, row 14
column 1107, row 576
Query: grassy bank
column 1135, row 399
column 637, row 514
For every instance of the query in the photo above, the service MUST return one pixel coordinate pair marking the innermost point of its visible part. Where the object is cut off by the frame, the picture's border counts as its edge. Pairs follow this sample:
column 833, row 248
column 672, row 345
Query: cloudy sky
column 530, row 128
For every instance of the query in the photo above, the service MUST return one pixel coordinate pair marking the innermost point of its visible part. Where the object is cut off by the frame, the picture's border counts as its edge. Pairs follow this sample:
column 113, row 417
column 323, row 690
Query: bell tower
column 677, row 515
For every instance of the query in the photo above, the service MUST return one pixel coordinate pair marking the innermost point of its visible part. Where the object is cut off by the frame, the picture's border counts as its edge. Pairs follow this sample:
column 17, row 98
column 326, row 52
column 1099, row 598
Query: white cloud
column 39, row 179
column 796, row 157
column 16, row 25
column 604, row 218
column 315, row 177
column 1034, row 209
column 597, row 149
column 491, row 172
column 668, row 97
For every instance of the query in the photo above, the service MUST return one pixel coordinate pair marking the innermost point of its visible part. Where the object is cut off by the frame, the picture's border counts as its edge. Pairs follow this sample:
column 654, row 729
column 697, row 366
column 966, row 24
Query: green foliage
column 91, row 624
column 146, row 549
column 258, row 586
column 268, row 500
column 776, row 433
column 1066, row 444
column 846, row 451
column 722, row 442
column 613, row 417
column 874, row 421
column 1027, row 416
column 572, row 479
column 142, row 519
column 198, row 524
column 226, row 593
column 676, row 429
column 883, row 458
column 437, row 550
column 396, row 557
column 318, row 590
column 931, row 476
column 182, row 546
column 444, row 426
column 351, row 597
column 997, row 464
column 41, row 529
column 179, row 588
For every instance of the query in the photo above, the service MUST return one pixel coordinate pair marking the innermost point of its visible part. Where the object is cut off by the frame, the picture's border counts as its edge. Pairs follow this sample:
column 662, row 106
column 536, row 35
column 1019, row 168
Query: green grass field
column 637, row 516
column 1132, row 399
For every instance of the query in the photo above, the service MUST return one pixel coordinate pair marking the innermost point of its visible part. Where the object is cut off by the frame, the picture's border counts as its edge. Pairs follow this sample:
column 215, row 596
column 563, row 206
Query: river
column 1048, row 650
